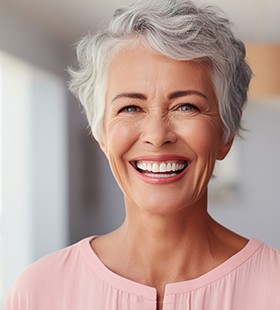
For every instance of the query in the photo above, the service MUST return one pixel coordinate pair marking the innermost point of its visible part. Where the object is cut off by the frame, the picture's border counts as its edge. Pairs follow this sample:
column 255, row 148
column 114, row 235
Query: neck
column 184, row 242
column 163, row 232
column 157, row 249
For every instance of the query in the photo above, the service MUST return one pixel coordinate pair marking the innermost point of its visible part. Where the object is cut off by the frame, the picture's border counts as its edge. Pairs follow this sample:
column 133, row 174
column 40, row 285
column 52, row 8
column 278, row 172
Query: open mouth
column 162, row 169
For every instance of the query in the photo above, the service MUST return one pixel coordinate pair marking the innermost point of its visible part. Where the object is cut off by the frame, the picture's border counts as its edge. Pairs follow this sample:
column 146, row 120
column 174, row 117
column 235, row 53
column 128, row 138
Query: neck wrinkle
column 169, row 248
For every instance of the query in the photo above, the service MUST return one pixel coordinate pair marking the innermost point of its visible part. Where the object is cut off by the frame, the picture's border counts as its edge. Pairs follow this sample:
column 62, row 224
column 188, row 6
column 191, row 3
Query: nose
column 157, row 131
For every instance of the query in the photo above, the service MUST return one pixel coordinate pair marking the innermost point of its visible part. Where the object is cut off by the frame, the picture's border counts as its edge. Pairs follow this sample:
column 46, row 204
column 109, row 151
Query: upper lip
column 161, row 158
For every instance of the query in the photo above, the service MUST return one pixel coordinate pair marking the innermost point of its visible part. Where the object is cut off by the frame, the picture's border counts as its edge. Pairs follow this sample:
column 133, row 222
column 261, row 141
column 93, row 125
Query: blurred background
column 56, row 186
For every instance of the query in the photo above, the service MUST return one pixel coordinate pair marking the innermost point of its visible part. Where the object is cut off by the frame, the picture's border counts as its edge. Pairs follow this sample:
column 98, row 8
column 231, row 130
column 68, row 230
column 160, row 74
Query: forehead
column 138, row 68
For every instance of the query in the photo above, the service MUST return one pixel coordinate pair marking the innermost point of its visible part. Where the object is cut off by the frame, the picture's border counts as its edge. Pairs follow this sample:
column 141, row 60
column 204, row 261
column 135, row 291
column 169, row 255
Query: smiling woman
column 160, row 111
column 164, row 88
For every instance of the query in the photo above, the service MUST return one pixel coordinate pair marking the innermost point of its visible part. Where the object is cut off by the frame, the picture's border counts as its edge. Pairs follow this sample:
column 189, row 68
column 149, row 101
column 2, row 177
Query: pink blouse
column 75, row 279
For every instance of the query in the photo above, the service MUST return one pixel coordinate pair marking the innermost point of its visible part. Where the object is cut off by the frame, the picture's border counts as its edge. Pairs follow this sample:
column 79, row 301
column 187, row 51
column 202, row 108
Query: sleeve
column 18, row 299
column 43, row 285
column 26, row 291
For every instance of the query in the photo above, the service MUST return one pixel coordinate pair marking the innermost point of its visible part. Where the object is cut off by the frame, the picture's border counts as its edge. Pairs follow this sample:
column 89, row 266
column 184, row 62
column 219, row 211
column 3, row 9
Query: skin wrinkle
column 161, row 115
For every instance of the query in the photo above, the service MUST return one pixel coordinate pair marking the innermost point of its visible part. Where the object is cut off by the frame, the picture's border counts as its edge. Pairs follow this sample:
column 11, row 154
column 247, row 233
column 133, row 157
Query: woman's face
column 163, row 131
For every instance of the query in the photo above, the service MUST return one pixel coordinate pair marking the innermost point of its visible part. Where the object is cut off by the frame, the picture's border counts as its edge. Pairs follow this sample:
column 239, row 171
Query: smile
column 161, row 169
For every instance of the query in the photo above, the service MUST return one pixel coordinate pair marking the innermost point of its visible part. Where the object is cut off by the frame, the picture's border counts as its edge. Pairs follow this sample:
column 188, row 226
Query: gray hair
column 178, row 29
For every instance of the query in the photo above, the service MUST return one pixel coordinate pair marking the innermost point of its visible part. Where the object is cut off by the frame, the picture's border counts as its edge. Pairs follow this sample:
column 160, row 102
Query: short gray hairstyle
column 178, row 29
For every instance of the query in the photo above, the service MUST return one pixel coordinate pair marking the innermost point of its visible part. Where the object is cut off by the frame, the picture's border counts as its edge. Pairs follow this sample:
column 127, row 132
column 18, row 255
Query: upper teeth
column 160, row 166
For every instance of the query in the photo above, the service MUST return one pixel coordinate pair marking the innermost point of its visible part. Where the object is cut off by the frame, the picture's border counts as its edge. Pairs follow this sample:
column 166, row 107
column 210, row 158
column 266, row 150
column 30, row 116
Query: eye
column 188, row 107
column 130, row 109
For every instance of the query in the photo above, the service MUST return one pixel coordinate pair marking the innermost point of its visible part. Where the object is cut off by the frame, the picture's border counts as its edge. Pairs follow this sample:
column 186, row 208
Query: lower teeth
column 162, row 175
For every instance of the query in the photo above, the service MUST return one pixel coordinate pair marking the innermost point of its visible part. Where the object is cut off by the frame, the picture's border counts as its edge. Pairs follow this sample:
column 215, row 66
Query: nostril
column 157, row 141
column 158, row 132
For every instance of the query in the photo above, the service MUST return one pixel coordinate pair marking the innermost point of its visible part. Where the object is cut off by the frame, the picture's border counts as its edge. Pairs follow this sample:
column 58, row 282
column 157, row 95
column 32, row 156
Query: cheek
column 203, row 136
column 120, row 137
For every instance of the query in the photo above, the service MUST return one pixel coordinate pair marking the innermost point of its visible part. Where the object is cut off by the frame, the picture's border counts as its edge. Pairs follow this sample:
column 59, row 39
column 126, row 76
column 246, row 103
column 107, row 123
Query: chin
column 161, row 206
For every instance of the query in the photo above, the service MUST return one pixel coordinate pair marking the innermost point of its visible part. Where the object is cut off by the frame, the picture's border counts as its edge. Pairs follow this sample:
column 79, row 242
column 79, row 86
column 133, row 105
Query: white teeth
column 161, row 167
column 140, row 165
column 163, row 175
column 155, row 167
column 169, row 167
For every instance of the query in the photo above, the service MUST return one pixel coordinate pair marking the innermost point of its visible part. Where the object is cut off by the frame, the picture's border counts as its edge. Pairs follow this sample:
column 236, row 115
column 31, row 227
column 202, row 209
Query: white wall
column 34, row 189
column 49, row 163
column 35, row 180
column 16, row 232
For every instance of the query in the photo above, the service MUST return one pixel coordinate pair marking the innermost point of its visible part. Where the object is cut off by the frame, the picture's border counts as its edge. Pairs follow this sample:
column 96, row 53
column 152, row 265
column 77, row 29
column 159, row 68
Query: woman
column 163, row 88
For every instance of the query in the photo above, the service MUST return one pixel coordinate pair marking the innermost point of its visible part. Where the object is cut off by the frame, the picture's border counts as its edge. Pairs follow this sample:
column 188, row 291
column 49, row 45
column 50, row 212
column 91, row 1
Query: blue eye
column 130, row 109
column 188, row 107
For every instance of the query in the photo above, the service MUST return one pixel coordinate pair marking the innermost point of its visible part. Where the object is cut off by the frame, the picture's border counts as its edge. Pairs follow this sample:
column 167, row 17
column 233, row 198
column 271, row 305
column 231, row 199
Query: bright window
column 33, row 166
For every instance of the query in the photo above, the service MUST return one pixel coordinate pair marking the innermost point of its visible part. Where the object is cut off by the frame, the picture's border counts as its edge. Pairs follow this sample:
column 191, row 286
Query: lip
column 160, row 158
column 157, row 180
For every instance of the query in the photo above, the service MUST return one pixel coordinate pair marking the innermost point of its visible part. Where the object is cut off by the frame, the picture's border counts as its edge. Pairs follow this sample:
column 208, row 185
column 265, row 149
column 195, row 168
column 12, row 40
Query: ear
column 224, row 149
column 102, row 146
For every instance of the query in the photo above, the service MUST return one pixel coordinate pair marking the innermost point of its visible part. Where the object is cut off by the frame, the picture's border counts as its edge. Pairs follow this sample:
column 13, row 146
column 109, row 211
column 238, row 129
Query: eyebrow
column 130, row 96
column 182, row 93
column 173, row 95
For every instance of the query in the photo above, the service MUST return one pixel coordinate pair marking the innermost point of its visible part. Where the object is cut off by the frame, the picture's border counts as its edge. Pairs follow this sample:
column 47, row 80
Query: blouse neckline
column 130, row 286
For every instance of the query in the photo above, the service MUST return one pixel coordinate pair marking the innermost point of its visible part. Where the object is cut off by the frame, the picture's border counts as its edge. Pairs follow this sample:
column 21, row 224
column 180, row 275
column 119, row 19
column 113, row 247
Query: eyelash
column 126, row 109
column 191, row 107
column 135, row 108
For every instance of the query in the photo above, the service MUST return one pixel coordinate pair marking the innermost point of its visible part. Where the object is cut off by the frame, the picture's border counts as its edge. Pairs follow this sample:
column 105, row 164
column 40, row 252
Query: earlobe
column 102, row 146
column 224, row 150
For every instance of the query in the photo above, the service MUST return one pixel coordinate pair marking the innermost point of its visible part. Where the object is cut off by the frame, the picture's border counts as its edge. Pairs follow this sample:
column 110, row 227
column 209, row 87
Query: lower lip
column 161, row 180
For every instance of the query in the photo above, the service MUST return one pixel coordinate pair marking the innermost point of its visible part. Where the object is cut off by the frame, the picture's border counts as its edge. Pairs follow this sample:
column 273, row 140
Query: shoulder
column 45, row 277
column 261, row 268
column 260, row 279
column 267, row 259
column 49, row 265
column 268, row 256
